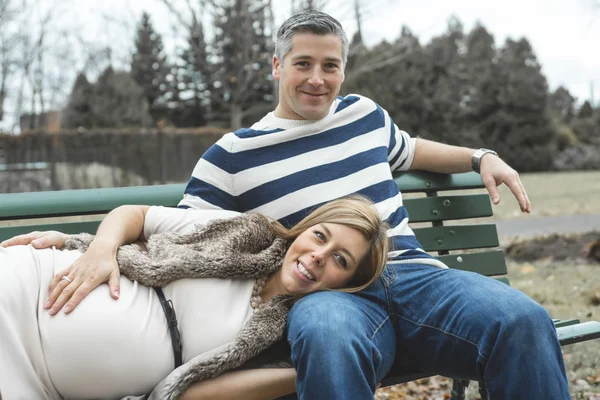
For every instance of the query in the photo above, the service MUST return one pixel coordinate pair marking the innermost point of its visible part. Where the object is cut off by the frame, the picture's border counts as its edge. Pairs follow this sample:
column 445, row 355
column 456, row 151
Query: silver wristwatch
column 476, row 158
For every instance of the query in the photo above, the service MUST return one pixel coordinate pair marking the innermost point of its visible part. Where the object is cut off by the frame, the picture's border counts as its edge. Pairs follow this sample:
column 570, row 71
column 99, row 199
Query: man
column 317, row 146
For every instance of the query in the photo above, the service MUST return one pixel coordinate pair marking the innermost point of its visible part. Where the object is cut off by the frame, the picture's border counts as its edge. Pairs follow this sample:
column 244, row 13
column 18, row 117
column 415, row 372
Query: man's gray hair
column 311, row 21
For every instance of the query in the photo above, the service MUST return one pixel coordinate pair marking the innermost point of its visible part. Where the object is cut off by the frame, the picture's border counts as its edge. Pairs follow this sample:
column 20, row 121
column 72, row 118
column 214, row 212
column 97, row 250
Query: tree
column 443, row 85
column 150, row 69
column 78, row 112
column 586, row 110
column 301, row 5
column 562, row 104
column 587, row 124
column 192, row 81
column 482, row 85
column 119, row 102
column 242, row 82
column 521, row 129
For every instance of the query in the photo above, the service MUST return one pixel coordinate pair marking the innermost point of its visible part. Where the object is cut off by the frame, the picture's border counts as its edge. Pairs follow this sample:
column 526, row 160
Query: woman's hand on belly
column 96, row 266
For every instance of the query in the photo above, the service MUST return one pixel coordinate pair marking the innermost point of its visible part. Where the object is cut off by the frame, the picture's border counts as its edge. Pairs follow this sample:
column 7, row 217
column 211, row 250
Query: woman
column 109, row 349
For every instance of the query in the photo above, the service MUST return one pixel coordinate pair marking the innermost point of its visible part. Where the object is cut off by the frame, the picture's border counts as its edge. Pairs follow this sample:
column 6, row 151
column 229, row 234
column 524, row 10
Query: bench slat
column 457, row 237
column 85, row 202
column 65, row 227
column 489, row 263
column 443, row 208
column 422, row 181
column 560, row 323
column 578, row 333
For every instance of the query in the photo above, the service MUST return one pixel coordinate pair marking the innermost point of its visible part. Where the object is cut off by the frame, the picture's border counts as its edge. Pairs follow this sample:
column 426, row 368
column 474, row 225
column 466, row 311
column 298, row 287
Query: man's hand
column 96, row 266
column 39, row 240
column 495, row 172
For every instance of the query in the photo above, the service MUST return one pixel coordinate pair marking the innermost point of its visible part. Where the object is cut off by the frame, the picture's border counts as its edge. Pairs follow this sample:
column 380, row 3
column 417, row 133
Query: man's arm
column 252, row 384
column 443, row 158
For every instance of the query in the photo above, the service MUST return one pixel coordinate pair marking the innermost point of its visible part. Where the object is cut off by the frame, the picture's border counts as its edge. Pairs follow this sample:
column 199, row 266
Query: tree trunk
column 236, row 115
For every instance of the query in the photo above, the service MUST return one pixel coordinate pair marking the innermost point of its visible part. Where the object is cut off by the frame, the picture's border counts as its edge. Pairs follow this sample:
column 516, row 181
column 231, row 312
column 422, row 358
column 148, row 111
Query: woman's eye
column 320, row 235
column 342, row 260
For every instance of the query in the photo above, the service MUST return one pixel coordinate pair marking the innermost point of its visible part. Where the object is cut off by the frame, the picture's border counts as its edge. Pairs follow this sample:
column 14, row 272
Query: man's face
column 309, row 77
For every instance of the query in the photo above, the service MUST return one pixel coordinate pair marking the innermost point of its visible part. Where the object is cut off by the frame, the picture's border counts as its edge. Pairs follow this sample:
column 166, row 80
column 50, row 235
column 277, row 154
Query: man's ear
column 276, row 66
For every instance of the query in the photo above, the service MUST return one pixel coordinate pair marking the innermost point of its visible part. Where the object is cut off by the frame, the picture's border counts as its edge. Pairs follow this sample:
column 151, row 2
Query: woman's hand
column 96, row 266
column 39, row 240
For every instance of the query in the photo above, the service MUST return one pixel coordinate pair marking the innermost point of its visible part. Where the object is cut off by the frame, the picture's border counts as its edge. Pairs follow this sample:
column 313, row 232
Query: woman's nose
column 318, row 257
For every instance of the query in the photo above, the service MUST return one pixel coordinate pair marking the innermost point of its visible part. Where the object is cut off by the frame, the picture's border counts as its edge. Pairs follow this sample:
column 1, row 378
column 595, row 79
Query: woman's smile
column 325, row 256
column 304, row 273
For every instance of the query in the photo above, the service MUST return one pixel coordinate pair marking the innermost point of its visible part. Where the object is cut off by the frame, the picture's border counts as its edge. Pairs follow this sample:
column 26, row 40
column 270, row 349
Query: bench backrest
column 434, row 208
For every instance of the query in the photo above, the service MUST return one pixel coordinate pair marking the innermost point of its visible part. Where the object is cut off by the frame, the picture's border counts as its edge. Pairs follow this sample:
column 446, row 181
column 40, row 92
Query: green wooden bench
column 479, row 240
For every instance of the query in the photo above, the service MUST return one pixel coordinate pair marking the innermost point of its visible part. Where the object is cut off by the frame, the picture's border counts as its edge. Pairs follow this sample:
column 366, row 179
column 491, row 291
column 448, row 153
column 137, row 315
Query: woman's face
column 325, row 256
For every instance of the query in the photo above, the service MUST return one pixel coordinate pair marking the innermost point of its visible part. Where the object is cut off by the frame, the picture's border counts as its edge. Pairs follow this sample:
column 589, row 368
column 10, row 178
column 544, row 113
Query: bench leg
column 458, row 389
column 483, row 391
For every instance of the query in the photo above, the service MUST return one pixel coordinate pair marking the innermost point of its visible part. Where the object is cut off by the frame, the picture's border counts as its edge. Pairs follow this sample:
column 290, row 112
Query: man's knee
column 338, row 330
column 325, row 319
column 523, row 322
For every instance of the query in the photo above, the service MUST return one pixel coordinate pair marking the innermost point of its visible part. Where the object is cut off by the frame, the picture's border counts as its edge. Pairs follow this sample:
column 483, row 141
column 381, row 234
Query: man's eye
column 331, row 66
column 302, row 63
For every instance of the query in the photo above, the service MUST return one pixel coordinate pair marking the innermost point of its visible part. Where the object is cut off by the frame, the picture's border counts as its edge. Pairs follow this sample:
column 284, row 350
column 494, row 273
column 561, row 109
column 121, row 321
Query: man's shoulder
column 245, row 133
column 354, row 101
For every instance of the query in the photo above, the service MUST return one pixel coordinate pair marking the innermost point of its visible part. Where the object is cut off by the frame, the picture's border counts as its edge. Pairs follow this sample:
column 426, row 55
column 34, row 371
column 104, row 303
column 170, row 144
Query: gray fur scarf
column 243, row 247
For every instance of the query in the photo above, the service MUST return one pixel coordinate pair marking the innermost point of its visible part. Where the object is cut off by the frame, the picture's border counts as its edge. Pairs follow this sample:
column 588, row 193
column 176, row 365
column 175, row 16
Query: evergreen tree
column 406, row 86
column 191, row 94
column 119, row 102
column 562, row 105
column 150, row 69
column 78, row 112
column 587, row 124
column 443, row 87
column 586, row 110
column 482, row 86
column 242, row 81
column 521, row 129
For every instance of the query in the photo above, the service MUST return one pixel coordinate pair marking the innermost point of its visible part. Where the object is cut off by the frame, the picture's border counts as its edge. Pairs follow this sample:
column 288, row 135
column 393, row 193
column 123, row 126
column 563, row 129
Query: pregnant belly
column 108, row 348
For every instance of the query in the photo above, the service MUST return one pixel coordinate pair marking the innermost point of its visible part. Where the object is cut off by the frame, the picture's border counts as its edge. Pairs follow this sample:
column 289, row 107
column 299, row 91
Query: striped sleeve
column 211, row 183
column 401, row 147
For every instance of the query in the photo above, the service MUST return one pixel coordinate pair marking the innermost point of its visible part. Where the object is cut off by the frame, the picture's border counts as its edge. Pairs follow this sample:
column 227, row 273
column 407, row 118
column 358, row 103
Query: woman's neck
column 273, row 287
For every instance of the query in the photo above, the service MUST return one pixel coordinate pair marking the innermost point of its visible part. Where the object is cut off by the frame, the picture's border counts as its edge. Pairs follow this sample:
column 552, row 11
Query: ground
column 554, row 269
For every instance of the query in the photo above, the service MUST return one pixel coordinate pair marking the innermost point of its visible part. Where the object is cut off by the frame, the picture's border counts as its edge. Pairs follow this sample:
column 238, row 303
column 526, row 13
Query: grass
column 553, row 193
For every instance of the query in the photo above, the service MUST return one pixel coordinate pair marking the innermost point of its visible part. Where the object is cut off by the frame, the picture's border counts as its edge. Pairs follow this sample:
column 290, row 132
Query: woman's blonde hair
column 356, row 212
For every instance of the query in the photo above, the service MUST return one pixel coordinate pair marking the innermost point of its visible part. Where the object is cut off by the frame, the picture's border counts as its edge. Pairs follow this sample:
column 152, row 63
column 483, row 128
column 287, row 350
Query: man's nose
column 316, row 77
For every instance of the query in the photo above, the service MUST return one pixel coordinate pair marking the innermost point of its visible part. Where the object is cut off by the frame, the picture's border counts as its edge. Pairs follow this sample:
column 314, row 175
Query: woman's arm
column 98, row 264
column 251, row 384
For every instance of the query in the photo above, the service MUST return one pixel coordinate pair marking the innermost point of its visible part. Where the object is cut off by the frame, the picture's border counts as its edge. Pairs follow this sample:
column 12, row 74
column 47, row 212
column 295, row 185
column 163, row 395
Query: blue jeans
column 442, row 321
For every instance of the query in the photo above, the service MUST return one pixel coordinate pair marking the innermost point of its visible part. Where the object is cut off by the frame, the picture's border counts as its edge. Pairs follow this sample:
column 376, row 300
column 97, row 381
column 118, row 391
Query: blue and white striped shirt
column 286, row 168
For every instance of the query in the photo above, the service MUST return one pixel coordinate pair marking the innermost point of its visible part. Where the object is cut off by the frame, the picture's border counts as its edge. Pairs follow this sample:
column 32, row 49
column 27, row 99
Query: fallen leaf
column 527, row 269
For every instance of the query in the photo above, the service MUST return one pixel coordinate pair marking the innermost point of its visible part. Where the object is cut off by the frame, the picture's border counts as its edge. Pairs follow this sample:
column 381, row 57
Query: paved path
column 541, row 225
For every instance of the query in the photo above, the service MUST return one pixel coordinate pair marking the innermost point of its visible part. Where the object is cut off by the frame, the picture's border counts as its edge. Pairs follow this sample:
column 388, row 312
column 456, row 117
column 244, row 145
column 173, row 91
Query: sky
column 565, row 35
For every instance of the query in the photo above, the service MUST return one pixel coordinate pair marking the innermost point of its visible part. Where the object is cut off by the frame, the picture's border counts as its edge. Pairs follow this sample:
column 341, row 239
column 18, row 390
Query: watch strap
column 476, row 158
